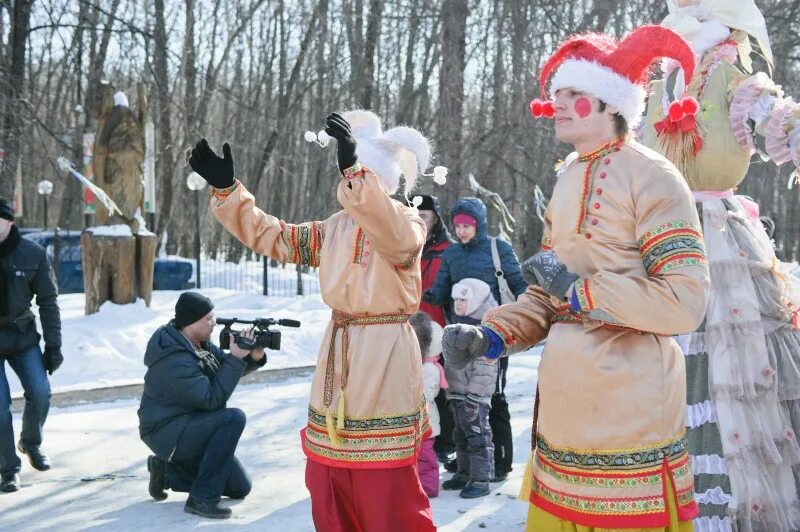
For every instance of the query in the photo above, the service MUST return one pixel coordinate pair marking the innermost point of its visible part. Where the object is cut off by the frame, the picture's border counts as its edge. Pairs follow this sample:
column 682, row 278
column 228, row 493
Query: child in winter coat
column 429, row 333
column 469, row 395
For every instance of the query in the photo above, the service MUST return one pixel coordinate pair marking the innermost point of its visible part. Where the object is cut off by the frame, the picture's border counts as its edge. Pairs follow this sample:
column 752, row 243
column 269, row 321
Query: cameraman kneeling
column 182, row 416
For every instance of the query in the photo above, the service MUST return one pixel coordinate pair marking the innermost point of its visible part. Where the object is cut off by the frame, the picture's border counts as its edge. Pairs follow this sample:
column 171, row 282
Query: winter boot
column 38, row 459
column 456, row 482
column 10, row 482
column 475, row 489
column 451, row 466
column 156, row 487
column 500, row 476
column 211, row 510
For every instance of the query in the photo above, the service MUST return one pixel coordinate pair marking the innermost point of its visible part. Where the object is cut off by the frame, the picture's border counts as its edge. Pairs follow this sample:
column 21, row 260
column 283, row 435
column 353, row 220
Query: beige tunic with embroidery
column 611, row 379
column 368, row 258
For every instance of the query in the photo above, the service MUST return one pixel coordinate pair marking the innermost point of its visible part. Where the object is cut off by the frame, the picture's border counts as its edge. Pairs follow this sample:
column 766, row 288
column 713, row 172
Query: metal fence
column 251, row 274
column 258, row 274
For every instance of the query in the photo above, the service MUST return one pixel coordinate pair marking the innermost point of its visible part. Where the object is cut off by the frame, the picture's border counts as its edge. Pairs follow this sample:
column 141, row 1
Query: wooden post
column 145, row 259
column 109, row 269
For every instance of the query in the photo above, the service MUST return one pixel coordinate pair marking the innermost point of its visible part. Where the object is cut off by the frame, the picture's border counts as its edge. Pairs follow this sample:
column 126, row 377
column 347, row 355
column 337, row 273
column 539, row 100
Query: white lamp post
column 196, row 183
column 45, row 188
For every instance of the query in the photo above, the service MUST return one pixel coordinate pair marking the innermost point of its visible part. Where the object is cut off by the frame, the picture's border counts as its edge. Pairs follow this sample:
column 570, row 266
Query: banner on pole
column 17, row 201
column 149, row 167
column 89, row 203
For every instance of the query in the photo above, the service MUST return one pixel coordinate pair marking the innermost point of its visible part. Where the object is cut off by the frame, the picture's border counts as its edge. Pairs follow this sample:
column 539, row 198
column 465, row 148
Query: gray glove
column 546, row 270
column 462, row 343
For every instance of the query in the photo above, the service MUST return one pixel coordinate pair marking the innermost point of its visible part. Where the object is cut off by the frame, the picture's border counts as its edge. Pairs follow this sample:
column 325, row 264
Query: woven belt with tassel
column 342, row 320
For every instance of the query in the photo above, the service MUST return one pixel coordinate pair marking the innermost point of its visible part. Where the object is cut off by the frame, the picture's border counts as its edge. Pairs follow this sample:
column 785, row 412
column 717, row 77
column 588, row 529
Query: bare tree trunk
column 184, row 229
column 451, row 93
column 13, row 124
column 164, row 149
column 370, row 45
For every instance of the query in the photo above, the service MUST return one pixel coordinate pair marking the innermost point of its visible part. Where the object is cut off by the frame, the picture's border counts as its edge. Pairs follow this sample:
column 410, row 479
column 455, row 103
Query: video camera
column 264, row 336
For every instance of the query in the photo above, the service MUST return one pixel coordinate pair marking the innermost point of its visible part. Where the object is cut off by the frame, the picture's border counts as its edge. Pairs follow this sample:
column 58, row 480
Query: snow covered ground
column 107, row 348
column 99, row 478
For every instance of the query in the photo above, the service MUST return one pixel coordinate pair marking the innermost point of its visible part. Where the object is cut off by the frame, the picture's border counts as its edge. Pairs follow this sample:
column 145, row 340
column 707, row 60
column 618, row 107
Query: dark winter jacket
column 438, row 241
column 474, row 259
column 181, row 380
column 25, row 272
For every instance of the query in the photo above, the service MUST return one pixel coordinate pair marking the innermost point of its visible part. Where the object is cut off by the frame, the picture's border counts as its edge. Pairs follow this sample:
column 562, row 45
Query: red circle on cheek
column 583, row 107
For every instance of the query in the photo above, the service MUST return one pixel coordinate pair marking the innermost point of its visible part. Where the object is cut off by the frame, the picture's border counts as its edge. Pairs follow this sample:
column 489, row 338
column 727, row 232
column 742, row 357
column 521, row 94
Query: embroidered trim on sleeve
column 508, row 338
column 582, row 290
column 221, row 194
column 671, row 246
column 304, row 241
column 354, row 171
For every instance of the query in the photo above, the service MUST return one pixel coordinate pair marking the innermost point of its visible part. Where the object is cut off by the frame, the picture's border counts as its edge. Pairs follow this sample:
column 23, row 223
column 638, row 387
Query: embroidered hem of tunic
column 614, row 488
column 388, row 441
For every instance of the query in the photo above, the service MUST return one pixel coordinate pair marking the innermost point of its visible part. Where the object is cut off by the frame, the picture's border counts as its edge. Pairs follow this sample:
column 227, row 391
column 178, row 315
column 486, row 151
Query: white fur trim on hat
column 398, row 151
column 602, row 83
column 437, row 334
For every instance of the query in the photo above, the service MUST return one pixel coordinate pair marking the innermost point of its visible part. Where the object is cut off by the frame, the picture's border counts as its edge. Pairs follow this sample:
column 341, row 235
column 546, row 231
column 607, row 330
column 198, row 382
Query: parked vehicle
column 168, row 274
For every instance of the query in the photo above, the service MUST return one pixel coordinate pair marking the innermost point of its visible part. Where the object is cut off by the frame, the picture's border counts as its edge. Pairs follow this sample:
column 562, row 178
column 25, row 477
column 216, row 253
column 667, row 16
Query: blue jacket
column 474, row 259
column 179, row 382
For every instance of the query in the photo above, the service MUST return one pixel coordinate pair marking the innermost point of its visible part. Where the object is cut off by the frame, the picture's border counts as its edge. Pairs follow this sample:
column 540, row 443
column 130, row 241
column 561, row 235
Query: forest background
column 259, row 73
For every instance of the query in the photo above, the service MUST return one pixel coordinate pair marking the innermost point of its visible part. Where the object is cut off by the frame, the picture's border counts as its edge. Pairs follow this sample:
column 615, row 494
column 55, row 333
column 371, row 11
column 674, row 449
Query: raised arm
column 235, row 208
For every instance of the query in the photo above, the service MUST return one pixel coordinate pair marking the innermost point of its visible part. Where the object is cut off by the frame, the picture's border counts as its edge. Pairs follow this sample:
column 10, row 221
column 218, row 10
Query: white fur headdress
column 401, row 150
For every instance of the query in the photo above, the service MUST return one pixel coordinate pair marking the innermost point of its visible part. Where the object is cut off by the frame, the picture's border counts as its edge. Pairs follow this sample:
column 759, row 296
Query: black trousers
column 203, row 463
column 444, row 441
column 500, row 421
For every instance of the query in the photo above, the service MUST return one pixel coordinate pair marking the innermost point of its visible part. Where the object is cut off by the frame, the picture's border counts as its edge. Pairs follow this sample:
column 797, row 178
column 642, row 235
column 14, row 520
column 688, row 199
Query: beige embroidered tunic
column 368, row 258
column 611, row 379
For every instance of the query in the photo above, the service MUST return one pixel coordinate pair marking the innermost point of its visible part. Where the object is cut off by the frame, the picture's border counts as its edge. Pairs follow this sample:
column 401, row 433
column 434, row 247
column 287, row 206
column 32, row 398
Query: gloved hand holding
column 337, row 127
column 427, row 296
column 52, row 359
column 216, row 170
column 546, row 270
column 462, row 343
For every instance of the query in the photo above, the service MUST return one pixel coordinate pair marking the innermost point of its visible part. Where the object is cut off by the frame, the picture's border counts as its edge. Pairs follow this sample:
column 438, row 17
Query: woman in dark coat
column 471, row 257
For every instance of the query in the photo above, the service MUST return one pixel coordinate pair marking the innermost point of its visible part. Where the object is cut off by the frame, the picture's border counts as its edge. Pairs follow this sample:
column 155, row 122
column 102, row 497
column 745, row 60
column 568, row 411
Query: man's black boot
column 156, row 468
column 38, row 459
column 9, row 483
column 211, row 510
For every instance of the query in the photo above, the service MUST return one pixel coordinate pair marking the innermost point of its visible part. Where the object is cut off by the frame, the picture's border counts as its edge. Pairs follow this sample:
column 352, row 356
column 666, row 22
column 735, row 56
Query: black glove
column 462, row 343
column 338, row 128
column 546, row 270
column 52, row 359
column 216, row 170
column 427, row 296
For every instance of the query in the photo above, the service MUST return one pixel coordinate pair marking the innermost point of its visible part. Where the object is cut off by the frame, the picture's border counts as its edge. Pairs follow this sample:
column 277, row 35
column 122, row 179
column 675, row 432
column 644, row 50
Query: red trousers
column 367, row 500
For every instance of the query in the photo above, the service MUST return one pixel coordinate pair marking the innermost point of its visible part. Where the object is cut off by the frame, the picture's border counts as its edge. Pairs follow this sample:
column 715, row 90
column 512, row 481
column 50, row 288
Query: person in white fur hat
column 367, row 415
column 743, row 362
